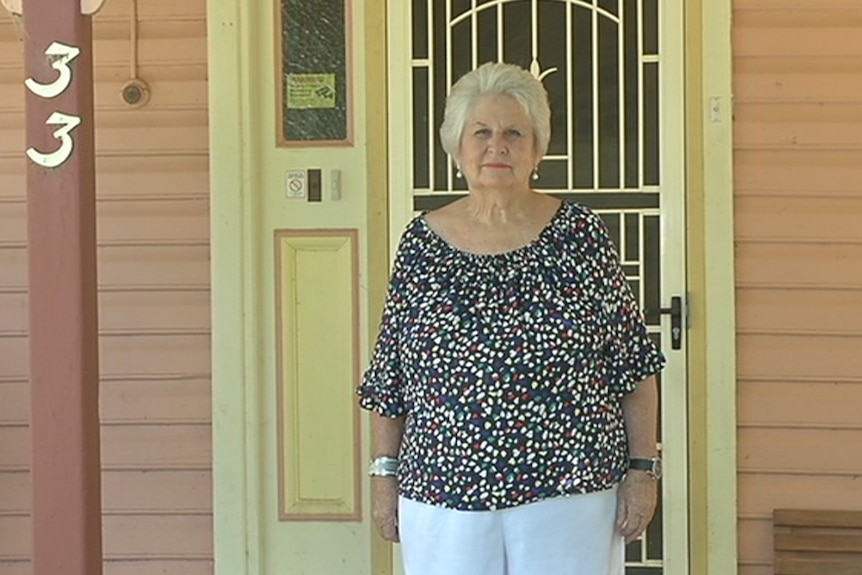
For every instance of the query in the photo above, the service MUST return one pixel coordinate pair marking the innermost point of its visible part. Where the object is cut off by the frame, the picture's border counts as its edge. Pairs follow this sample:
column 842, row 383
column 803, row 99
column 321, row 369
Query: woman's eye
column 514, row 133
column 483, row 132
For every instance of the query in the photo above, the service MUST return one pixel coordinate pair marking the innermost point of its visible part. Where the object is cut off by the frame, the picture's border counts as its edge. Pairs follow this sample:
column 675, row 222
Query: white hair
column 495, row 78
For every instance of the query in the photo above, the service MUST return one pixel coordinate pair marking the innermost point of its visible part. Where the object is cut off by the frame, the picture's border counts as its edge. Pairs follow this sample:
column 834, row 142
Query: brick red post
column 64, row 370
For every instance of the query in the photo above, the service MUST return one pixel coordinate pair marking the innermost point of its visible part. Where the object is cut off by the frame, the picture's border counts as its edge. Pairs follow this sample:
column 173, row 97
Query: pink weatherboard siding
column 798, row 208
column 153, row 299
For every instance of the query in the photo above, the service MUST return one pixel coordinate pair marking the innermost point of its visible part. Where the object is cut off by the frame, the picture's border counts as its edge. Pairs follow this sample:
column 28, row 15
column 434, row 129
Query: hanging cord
column 136, row 92
column 133, row 40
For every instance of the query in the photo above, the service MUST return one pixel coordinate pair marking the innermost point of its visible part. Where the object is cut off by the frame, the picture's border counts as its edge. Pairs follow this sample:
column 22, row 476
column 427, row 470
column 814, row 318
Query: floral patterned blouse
column 509, row 367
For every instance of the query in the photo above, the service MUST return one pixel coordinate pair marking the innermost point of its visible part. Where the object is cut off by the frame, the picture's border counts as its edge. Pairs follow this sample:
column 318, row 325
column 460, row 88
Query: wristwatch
column 652, row 466
column 383, row 467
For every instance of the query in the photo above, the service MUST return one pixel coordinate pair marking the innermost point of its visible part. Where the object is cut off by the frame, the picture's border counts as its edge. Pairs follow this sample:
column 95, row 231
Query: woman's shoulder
column 579, row 219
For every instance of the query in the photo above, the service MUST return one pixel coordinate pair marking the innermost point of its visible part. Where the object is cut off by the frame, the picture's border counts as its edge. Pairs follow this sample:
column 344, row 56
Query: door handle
column 675, row 313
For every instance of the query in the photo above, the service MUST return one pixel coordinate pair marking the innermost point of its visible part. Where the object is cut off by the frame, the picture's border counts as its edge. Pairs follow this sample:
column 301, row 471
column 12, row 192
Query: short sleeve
column 382, row 387
column 630, row 352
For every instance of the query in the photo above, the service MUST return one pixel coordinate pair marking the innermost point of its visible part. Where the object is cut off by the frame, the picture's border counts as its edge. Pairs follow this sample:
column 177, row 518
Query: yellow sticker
column 306, row 91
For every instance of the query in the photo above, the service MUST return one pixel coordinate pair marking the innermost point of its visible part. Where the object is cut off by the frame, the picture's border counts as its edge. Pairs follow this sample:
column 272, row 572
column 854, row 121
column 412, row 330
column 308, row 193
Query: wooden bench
column 817, row 542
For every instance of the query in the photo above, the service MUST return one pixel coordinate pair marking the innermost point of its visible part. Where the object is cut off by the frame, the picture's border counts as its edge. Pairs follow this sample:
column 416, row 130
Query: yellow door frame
column 712, row 377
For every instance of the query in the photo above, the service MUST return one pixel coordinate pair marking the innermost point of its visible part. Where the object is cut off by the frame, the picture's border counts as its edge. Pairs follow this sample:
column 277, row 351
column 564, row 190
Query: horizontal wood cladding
column 760, row 493
column 801, row 355
column 814, row 218
column 798, row 187
column 136, row 446
column 124, row 220
column 139, row 492
column 791, row 403
column 799, row 125
column 125, row 176
column 813, row 311
column 158, row 263
column 185, row 566
column 178, row 400
column 127, row 355
column 135, row 308
column 152, row 187
column 793, row 261
column 805, row 172
column 800, row 450
column 129, row 537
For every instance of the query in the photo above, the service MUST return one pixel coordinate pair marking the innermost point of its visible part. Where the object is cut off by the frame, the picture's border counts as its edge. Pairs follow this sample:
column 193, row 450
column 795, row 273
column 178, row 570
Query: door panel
column 613, row 71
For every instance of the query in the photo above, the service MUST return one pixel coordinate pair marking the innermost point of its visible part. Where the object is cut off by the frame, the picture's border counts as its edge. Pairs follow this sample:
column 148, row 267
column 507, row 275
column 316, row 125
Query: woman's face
column 498, row 148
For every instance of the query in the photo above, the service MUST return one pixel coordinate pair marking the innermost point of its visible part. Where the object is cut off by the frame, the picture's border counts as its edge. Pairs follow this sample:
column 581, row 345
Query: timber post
column 61, row 218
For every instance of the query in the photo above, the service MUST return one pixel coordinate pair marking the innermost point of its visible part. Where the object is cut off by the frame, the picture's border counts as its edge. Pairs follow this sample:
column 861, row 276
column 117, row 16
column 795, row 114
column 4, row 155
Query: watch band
column 651, row 465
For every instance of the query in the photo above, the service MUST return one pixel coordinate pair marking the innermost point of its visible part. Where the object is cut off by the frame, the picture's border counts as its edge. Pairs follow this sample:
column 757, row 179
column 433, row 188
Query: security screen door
column 613, row 71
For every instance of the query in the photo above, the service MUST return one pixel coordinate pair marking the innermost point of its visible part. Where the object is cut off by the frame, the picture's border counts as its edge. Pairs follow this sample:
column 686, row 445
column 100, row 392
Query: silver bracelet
column 383, row 467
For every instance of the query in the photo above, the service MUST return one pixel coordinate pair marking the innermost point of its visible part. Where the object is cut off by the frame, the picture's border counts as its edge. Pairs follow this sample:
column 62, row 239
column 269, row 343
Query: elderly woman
column 514, row 424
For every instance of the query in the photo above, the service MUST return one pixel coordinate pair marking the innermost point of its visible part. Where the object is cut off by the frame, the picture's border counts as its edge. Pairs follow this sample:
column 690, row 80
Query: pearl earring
column 458, row 174
column 536, row 173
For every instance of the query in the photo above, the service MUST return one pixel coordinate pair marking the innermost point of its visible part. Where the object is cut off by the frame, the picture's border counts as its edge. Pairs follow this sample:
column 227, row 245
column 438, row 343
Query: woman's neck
column 491, row 206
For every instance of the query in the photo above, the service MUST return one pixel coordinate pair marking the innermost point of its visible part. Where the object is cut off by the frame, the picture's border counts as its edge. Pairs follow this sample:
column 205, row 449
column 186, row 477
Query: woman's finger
column 387, row 525
column 622, row 513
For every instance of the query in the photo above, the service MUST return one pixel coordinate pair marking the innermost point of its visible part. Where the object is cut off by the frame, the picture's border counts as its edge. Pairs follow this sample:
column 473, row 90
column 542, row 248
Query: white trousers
column 574, row 535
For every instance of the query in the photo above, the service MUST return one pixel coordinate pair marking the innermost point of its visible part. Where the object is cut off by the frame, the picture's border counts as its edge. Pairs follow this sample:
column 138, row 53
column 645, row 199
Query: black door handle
column 675, row 313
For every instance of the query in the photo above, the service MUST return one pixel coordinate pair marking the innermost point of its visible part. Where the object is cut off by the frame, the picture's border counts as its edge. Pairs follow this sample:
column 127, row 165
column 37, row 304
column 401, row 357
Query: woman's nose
column 497, row 143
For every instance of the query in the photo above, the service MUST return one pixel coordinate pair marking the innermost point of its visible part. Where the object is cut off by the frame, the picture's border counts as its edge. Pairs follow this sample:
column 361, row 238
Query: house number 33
column 60, row 56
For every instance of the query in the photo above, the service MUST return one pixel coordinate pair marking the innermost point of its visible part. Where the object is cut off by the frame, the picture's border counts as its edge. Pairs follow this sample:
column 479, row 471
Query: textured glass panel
column 462, row 48
column 651, row 125
column 632, row 76
column 633, row 552
column 314, row 71
column 441, row 88
column 552, row 175
column 611, row 6
column 420, row 29
column 487, row 31
column 652, row 269
column 612, row 222
column 421, row 128
column 609, row 105
column 517, row 18
column 631, row 270
column 635, row 285
column 632, row 248
column 552, row 23
column 582, row 97
column 650, row 27
column 655, row 531
column 459, row 7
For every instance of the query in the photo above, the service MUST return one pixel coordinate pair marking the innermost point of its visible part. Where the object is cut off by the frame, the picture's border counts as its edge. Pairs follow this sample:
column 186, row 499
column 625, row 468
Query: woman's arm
column 640, row 411
column 638, row 492
column 386, row 434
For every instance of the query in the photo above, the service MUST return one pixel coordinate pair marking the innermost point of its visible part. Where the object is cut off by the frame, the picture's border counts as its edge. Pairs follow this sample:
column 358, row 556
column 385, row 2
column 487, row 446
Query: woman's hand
column 384, row 495
column 636, row 501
